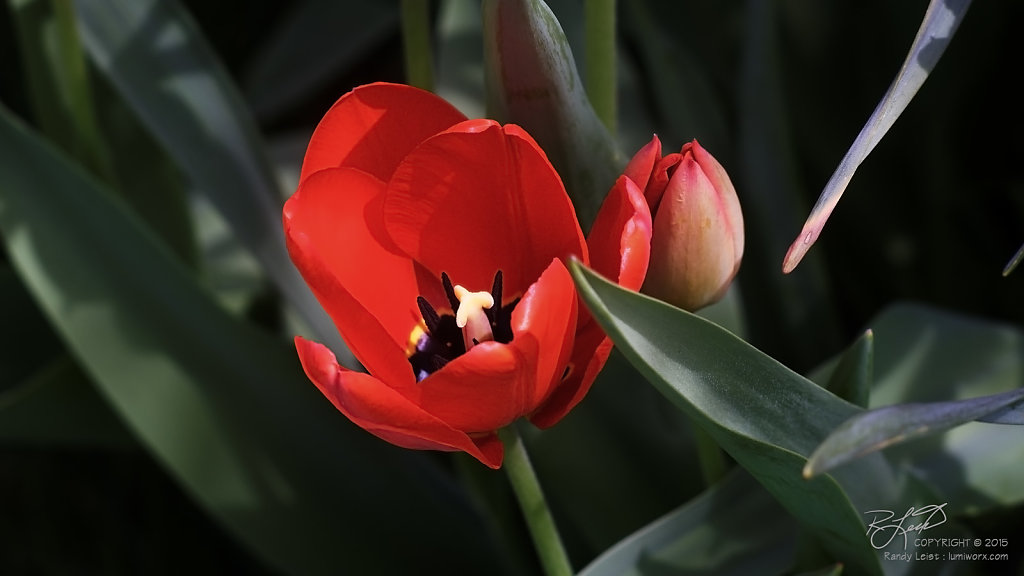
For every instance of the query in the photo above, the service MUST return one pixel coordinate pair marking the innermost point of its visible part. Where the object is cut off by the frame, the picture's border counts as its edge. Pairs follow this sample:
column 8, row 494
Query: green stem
column 419, row 66
column 599, row 28
column 531, row 501
column 712, row 461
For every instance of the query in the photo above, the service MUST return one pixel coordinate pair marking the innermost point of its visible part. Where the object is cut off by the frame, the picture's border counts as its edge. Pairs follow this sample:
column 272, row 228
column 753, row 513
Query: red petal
column 494, row 384
column 620, row 249
column 479, row 198
column 374, row 126
column 380, row 410
column 620, row 240
column 336, row 239
column 588, row 358
column 655, row 189
column 642, row 164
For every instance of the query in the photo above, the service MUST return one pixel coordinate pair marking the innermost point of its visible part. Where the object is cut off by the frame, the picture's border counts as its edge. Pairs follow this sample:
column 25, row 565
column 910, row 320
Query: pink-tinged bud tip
column 697, row 243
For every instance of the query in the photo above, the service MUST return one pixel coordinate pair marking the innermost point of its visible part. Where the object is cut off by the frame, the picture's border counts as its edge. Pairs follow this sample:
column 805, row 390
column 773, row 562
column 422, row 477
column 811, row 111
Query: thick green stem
column 531, row 501
column 712, row 461
column 599, row 24
column 419, row 65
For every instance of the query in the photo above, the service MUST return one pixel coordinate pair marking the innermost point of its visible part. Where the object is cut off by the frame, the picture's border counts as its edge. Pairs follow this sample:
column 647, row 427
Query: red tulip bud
column 697, row 242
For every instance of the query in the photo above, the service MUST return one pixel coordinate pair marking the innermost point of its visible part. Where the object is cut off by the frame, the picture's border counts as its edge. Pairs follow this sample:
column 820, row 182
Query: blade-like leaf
column 57, row 80
column 59, row 405
column 223, row 406
column 760, row 538
column 314, row 44
column 882, row 427
column 766, row 417
column 1012, row 264
column 924, row 354
column 768, row 182
column 851, row 379
column 153, row 53
column 940, row 23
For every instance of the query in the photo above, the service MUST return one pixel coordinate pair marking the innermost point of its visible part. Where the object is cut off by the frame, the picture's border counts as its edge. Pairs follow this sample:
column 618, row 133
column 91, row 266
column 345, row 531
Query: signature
column 885, row 526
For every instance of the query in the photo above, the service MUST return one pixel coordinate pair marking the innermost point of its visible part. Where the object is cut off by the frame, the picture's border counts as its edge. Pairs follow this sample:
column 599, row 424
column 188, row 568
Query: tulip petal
column 620, row 240
column 620, row 249
column 336, row 240
column 374, row 126
column 588, row 358
column 480, row 198
column 725, row 198
column 641, row 165
column 382, row 411
column 493, row 384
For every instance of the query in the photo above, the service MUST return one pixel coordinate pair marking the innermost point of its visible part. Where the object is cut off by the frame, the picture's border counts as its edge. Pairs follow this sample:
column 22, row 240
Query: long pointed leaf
column 153, row 53
column 768, row 418
column 883, row 427
column 684, row 540
column 223, row 406
column 940, row 23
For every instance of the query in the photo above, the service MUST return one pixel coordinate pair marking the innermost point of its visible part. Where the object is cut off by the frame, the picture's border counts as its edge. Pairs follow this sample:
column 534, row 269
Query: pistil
column 443, row 335
column 471, row 318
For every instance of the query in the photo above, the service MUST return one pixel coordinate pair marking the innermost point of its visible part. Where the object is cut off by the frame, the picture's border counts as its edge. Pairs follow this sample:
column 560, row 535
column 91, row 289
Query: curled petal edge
column 382, row 411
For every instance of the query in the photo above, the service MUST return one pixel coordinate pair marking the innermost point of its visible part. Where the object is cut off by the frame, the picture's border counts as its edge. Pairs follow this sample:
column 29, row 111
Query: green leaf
column 621, row 434
column 683, row 94
column 924, row 354
column 768, row 184
column 222, row 406
column 58, row 81
column 937, row 28
column 314, row 44
column 735, row 527
column 460, row 70
column 154, row 54
column 882, row 427
column 851, row 378
column 532, row 81
column 59, row 405
column 766, row 417
column 22, row 322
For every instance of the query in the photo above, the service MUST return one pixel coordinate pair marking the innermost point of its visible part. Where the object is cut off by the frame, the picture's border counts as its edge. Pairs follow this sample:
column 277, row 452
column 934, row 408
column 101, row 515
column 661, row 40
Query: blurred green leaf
column 766, row 417
column 146, row 177
column 315, row 43
column 59, row 405
column 22, row 323
column 851, row 378
column 928, row 355
column 621, row 433
column 152, row 51
column 882, row 427
column 57, row 80
column 685, row 101
column 532, row 81
column 1014, row 261
column 937, row 28
column 834, row 570
column 768, row 184
column 223, row 406
column 460, row 69
column 735, row 527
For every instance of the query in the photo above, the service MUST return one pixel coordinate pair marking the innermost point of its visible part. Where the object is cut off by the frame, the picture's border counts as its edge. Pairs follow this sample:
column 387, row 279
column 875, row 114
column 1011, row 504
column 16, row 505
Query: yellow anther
column 471, row 305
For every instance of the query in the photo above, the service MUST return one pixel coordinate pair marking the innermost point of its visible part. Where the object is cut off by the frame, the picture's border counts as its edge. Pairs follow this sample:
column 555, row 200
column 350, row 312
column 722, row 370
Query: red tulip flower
column 438, row 246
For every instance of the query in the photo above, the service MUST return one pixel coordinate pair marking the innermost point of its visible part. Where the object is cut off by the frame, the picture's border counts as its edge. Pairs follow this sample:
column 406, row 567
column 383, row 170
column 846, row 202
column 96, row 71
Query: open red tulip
column 438, row 246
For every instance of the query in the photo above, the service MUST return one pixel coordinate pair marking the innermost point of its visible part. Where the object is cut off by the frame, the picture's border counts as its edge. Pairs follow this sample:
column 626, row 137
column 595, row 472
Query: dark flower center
column 439, row 339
